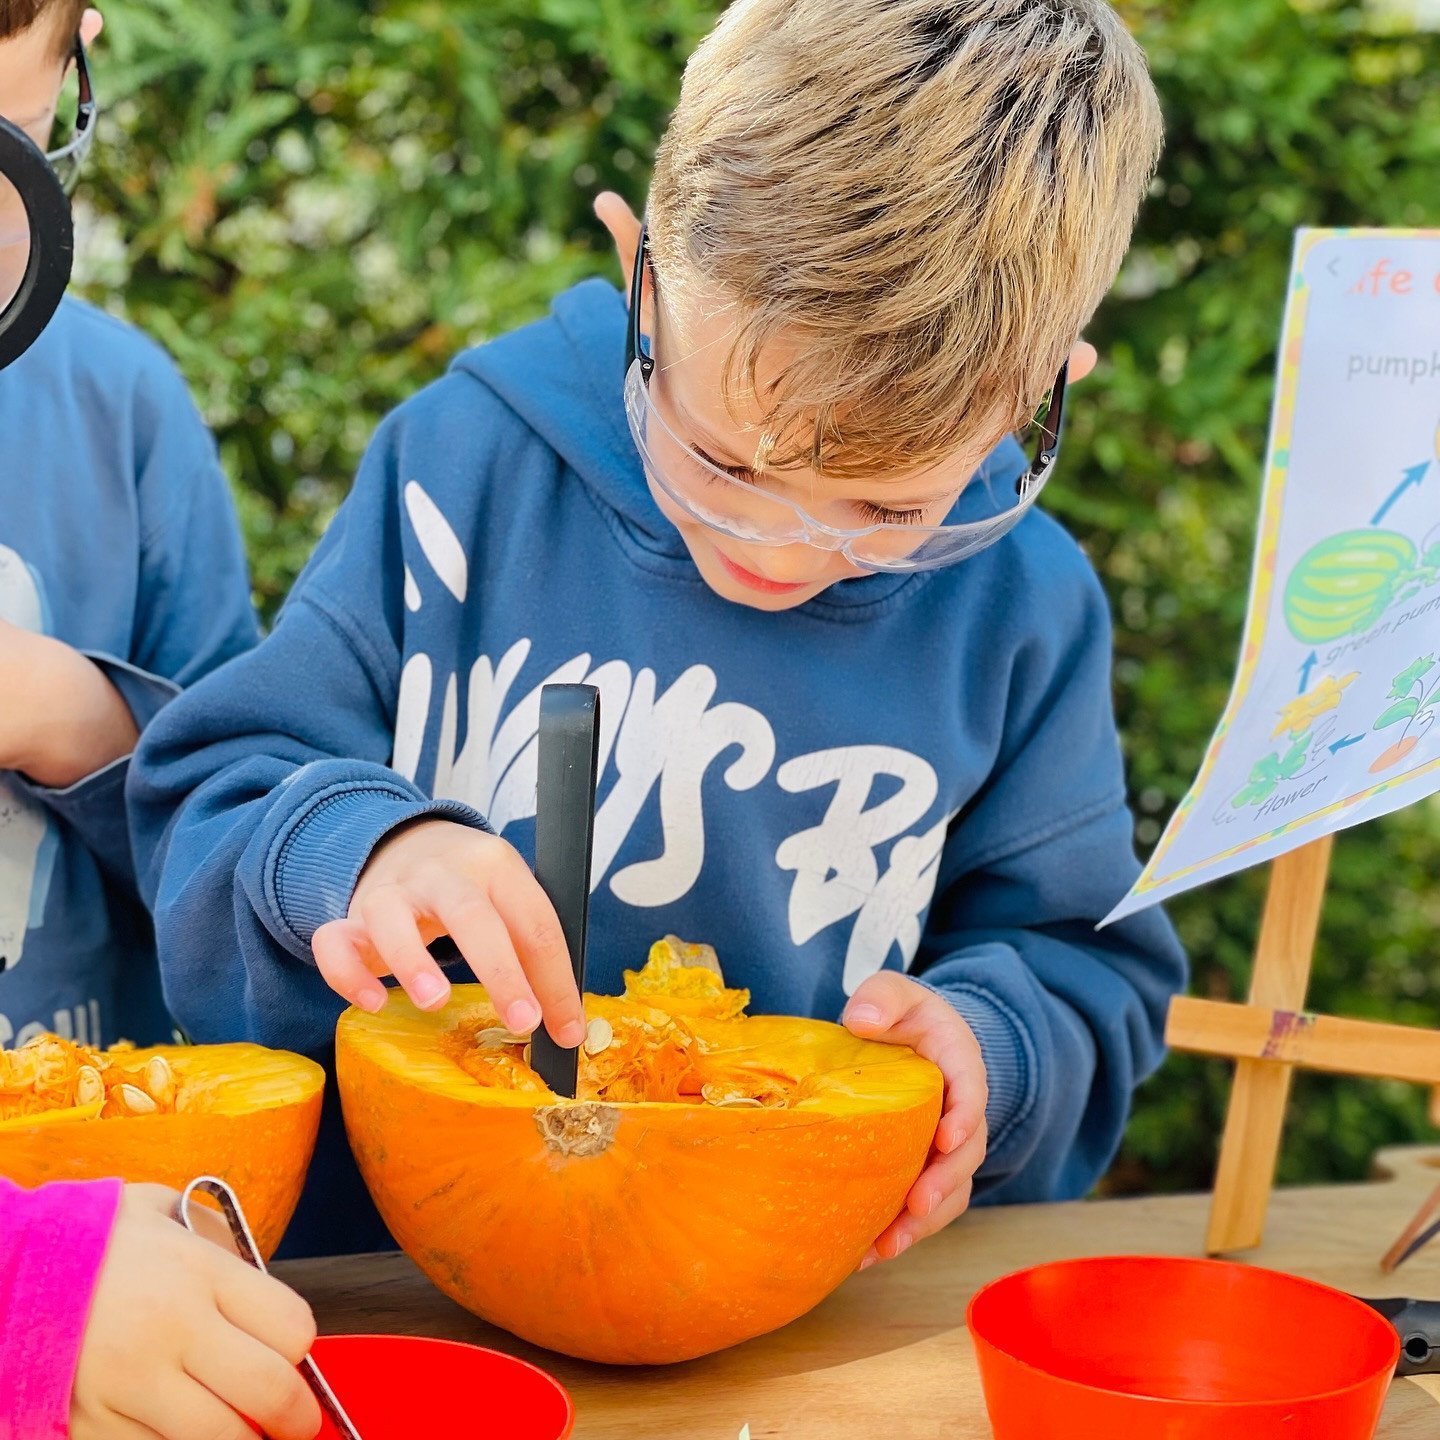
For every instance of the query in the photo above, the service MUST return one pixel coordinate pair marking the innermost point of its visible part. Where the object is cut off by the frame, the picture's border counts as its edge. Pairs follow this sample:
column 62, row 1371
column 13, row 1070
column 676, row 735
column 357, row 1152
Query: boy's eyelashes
column 881, row 515
column 872, row 513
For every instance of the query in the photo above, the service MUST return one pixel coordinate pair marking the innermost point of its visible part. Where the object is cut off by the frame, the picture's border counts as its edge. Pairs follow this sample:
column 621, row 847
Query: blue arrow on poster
column 1413, row 476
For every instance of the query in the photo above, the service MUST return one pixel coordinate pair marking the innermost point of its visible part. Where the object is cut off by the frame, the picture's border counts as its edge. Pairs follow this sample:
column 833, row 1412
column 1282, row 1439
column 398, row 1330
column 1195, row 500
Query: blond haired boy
column 858, row 730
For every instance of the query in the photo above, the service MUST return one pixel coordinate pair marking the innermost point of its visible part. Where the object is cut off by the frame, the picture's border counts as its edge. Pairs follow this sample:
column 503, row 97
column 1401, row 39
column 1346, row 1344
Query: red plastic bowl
column 403, row 1388
column 1163, row 1349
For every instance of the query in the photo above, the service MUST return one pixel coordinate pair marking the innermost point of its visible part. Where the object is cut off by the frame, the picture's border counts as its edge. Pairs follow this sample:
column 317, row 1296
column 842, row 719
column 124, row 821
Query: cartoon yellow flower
column 1303, row 711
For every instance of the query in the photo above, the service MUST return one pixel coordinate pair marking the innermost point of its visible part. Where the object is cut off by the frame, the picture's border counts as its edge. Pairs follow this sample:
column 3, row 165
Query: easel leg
column 1283, row 955
column 1249, row 1153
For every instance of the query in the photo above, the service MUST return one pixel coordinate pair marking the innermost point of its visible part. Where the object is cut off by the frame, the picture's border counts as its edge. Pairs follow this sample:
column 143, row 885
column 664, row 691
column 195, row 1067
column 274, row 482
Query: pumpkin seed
column 160, row 1079
column 527, row 1054
column 599, row 1036
column 137, row 1101
column 499, row 1038
column 89, row 1087
column 713, row 1095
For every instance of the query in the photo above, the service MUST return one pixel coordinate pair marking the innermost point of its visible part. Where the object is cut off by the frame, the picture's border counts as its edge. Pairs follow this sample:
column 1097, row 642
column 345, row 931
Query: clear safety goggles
column 744, row 510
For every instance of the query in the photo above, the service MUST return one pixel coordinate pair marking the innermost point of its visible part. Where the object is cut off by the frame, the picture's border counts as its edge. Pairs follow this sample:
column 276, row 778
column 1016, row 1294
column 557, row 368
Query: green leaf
column 1401, row 710
column 1411, row 676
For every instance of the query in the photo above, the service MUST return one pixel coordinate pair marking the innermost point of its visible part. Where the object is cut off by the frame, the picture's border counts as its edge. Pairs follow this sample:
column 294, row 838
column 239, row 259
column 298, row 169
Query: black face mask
column 35, row 219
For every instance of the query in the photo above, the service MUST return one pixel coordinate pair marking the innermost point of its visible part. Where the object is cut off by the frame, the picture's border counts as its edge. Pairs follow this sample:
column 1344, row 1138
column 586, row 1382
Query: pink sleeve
column 52, row 1245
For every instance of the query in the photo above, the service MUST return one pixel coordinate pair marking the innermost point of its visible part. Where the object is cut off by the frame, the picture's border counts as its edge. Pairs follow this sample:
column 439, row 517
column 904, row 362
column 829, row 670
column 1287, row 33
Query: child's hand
column 184, row 1338
column 894, row 1009
column 62, row 719
column 438, row 878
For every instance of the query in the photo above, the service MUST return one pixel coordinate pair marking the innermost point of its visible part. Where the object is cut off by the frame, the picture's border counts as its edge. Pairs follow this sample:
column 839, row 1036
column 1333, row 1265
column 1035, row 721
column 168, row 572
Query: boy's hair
column 928, row 198
column 17, row 16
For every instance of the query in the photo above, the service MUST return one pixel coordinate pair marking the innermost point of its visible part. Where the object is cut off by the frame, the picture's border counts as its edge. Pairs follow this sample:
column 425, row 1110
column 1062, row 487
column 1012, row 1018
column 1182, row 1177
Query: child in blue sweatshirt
column 122, row 578
column 857, row 725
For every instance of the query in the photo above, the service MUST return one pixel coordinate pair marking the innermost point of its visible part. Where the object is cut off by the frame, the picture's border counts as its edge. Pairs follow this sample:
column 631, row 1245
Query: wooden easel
column 1272, row 1035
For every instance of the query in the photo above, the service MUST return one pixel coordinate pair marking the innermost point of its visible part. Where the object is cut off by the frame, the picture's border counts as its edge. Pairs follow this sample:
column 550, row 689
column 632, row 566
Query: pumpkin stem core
column 580, row 1129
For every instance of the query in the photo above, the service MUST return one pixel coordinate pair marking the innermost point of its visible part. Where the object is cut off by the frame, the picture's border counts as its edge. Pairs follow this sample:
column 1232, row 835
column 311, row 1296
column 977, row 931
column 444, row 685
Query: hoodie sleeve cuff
column 1009, row 1056
column 60, row 1234
column 145, row 694
column 95, row 804
column 316, row 860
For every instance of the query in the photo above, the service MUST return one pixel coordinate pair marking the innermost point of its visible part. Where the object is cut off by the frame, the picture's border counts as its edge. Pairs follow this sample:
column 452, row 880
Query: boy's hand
column 61, row 719
column 894, row 1009
column 184, row 1338
column 438, row 878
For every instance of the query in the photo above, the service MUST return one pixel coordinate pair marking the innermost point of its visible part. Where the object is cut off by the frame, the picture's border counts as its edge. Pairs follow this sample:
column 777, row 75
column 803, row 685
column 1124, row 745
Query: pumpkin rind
column 253, row 1118
column 635, row 1233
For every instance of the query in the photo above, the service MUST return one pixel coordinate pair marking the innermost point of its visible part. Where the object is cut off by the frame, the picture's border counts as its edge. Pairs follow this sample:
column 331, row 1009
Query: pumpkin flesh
column 714, row 1179
column 164, row 1116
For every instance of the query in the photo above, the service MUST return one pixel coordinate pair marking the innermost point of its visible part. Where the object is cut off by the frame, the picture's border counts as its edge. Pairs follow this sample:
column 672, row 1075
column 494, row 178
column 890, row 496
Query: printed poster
column 1331, row 720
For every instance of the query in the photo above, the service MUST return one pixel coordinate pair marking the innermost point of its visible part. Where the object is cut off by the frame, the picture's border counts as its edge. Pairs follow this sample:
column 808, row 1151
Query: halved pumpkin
column 164, row 1116
column 715, row 1178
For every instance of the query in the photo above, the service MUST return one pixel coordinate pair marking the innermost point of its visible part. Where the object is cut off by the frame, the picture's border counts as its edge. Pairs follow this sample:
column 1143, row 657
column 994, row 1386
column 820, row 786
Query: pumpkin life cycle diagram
column 1331, row 720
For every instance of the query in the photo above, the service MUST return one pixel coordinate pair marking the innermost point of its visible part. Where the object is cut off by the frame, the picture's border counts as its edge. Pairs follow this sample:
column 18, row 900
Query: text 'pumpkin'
column 163, row 1117
column 716, row 1177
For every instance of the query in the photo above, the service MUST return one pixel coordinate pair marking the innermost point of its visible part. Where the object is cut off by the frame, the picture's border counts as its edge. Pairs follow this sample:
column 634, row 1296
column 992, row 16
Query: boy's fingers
column 941, row 1194
column 893, row 1005
column 112, row 1426
column 882, row 1003
column 966, row 1091
column 253, row 1380
column 941, row 1177
column 903, row 1232
column 345, row 964
column 209, row 1225
column 266, row 1310
column 539, row 942
column 959, row 1124
column 473, row 923
column 182, row 1406
column 391, row 927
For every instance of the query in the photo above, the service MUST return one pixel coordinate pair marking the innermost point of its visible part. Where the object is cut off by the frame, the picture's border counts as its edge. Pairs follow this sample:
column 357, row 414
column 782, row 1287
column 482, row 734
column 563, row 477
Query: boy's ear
column 92, row 22
column 1082, row 359
column 620, row 220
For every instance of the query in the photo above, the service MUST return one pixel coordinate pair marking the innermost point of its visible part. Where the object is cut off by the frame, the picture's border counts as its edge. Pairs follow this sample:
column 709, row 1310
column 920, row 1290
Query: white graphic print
column 836, row 872
column 80, row 1023
column 438, row 541
column 668, row 740
column 673, row 740
column 891, row 912
column 26, row 860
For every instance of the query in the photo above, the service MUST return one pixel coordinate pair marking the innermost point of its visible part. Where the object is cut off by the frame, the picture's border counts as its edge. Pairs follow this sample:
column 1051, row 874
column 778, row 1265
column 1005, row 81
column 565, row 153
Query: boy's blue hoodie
column 117, row 536
column 913, row 771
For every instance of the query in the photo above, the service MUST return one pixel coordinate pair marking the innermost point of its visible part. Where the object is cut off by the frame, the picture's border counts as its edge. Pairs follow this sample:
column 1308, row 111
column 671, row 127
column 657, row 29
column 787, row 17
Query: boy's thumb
column 879, row 1001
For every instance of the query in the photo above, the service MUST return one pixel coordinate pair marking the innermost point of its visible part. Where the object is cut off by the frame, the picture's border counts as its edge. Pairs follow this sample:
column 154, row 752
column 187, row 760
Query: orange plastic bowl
column 1136, row 1348
column 403, row 1388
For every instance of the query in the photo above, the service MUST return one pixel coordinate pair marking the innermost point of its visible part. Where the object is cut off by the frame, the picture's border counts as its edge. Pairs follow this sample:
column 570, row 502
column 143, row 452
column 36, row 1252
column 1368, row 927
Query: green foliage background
column 313, row 203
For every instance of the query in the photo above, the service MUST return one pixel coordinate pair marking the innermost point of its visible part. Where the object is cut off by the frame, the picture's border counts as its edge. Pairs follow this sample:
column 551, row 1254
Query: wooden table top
column 887, row 1357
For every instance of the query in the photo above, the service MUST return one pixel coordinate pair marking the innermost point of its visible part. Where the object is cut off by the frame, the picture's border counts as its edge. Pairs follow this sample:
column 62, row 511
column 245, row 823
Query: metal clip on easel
column 229, row 1204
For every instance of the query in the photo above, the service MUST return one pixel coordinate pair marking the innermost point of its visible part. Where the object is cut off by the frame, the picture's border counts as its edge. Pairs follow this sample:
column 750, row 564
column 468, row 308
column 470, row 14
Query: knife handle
column 569, row 751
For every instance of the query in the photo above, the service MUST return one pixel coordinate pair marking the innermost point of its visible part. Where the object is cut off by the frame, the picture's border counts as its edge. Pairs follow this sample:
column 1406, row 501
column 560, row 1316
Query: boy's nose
column 789, row 564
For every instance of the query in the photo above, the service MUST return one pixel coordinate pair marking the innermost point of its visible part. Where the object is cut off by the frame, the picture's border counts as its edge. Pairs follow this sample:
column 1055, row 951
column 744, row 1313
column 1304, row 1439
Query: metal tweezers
column 229, row 1204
